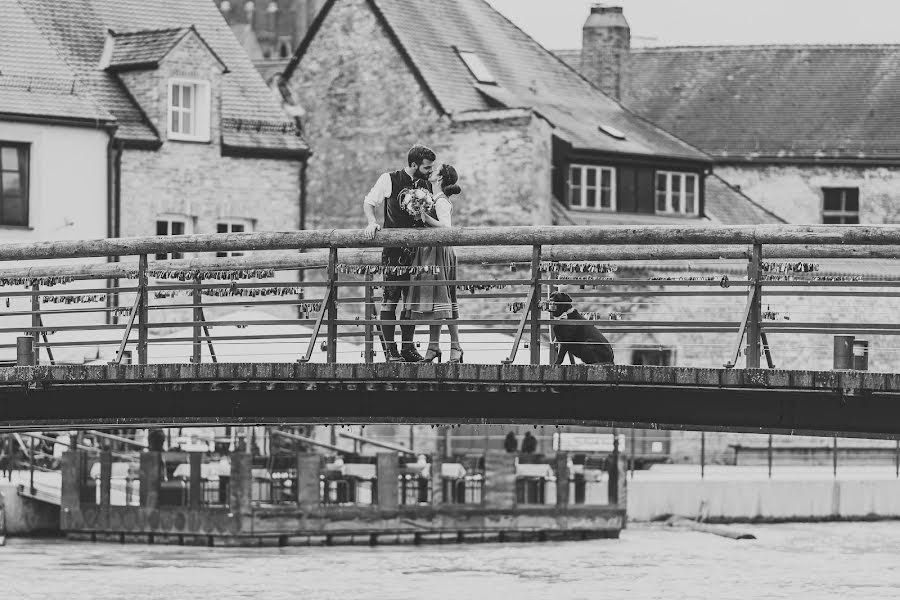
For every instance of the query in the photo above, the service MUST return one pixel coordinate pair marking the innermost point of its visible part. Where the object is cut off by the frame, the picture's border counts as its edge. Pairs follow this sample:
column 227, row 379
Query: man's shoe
column 391, row 354
column 411, row 355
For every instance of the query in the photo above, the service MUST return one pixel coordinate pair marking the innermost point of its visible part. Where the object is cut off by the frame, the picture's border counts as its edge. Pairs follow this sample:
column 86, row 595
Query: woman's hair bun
column 452, row 190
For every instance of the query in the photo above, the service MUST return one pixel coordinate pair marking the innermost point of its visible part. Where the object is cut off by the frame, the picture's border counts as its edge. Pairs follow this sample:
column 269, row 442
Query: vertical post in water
column 142, row 309
column 613, row 483
column 535, row 305
column 834, row 452
column 897, row 460
column 31, row 465
column 632, row 449
column 754, row 274
column 369, row 314
column 36, row 321
column 702, row 454
column 331, row 338
column 196, row 355
column 770, row 456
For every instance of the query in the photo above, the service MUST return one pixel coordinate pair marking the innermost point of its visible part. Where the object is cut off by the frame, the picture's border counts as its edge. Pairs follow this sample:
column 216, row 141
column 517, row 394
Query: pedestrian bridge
column 282, row 327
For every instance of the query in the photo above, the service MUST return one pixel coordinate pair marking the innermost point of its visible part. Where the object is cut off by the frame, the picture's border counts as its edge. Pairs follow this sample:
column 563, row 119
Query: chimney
column 606, row 42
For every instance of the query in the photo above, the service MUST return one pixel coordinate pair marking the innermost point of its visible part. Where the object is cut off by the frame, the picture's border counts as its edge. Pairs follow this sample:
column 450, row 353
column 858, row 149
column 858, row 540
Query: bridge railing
column 704, row 292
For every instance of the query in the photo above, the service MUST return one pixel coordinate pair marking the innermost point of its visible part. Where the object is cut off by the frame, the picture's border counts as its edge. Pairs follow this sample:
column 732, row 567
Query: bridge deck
column 777, row 400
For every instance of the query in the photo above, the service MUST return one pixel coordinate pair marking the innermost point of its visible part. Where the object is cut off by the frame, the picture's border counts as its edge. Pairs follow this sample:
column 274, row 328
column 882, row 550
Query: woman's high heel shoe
column 456, row 355
column 431, row 355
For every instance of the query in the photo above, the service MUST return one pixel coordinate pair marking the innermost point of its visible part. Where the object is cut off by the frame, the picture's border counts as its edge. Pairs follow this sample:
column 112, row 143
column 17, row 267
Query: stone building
column 270, row 29
column 196, row 141
column 535, row 142
column 809, row 132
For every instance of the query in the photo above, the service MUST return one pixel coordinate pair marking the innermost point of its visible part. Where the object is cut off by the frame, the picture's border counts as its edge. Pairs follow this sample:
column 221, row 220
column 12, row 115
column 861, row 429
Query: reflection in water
column 820, row 561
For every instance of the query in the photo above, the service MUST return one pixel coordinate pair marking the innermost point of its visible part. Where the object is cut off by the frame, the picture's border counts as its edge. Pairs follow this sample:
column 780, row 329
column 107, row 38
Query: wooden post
column 387, row 470
column 142, row 326
column 151, row 476
column 770, row 456
column 196, row 489
column 331, row 339
column 535, row 309
column 437, row 479
column 702, row 454
column 25, row 351
column 368, row 330
column 632, row 451
column 36, row 320
column 897, row 460
column 754, row 274
column 197, row 355
column 563, row 479
column 613, row 470
column 834, row 455
column 105, row 477
column 499, row 487
column 240, row 485
column 31, row 465
column 308, row 478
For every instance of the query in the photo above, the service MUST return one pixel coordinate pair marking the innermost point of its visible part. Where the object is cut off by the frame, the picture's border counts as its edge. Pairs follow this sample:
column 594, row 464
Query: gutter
column 61, row 121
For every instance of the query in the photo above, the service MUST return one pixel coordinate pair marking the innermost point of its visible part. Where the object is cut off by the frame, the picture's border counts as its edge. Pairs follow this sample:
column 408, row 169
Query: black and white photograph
column 427, row 299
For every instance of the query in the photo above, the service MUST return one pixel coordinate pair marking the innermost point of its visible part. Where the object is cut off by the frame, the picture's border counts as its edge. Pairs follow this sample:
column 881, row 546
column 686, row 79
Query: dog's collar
column 568, row 312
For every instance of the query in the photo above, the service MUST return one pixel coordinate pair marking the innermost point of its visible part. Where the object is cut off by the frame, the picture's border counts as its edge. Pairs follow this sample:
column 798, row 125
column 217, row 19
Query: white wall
column 67, row 201
column 67, row 198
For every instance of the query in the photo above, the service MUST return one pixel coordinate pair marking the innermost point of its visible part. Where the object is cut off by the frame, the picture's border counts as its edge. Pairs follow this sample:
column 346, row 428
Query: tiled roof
column 528, row 75
column 34, row 80
column 142, row 49
column 728, row 205
column 77, row 29
column 774, row 101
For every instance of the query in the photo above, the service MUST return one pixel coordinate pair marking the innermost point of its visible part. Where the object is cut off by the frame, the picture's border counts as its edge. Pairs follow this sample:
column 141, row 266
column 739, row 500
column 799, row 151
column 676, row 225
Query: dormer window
column 189, row 110
column 475, row 65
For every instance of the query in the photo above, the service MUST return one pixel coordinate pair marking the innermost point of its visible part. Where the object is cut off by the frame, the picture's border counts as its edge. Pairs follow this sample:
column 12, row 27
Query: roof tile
column 76, row 30
column 431, row 31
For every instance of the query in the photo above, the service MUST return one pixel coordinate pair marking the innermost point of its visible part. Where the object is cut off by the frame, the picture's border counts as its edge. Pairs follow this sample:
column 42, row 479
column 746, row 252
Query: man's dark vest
column 394, row 215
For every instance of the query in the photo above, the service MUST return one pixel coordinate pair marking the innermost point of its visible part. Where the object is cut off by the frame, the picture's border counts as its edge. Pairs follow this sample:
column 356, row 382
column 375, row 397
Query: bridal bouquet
column 416, row 201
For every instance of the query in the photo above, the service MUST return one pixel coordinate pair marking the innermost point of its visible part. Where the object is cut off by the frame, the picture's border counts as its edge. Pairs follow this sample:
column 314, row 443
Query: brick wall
column 795, row 192
column 193, row 179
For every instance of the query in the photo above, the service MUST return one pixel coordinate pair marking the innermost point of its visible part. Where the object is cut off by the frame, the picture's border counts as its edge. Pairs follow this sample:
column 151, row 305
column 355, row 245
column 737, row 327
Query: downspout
column 301, row 274
column 113, row 205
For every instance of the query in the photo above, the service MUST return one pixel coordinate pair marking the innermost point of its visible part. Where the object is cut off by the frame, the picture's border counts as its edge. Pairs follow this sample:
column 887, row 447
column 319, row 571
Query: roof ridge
column 741, row 193
column 590, row 83
column 740, row 47
column 149, row 31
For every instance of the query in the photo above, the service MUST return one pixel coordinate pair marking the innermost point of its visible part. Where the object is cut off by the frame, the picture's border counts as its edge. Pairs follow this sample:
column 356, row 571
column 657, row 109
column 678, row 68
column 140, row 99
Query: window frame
column 24, row 173
column 598, row 187
column 666, row 355
column 682, row 178
column 187, row 223
column 229, row 223
column 476, row 66
column 843, row 214
column 201, row 111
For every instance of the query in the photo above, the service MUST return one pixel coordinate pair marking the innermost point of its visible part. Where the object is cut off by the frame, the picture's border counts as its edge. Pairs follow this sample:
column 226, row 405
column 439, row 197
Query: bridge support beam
column 105, row 477
column 151, row 476
column 387, row 470
column 241, row 483
column 562, row 479
column 499, row 489
column 437, row 480
column 308, row 470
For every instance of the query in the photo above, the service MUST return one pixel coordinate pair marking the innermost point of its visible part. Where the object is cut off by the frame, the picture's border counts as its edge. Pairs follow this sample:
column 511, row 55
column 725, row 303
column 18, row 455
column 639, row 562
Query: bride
column 438, row 301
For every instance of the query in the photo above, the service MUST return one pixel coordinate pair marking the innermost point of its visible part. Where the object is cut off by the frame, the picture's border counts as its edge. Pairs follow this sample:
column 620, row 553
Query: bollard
column 25, row 351
column 843, row 352
column 861, row 355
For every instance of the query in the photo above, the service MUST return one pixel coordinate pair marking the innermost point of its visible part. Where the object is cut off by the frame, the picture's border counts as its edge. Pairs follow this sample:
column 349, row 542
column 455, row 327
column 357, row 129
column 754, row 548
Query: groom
column 420, row 163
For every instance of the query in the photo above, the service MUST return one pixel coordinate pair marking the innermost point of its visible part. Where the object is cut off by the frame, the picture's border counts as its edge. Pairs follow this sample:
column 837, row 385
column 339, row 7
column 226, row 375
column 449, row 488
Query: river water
column 820, row 561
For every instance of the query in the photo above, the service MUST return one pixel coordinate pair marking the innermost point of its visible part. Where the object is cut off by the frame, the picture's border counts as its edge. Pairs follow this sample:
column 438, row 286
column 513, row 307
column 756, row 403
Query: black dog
column 582, row 341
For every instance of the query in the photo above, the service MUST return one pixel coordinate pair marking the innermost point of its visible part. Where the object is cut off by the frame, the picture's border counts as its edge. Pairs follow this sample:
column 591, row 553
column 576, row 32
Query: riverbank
column 729, row 494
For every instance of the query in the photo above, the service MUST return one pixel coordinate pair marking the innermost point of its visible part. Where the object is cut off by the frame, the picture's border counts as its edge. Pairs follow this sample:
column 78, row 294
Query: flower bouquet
column 416, row 201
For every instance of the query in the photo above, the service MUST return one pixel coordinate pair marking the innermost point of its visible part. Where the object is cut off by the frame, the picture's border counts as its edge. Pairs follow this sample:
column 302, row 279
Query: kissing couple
column 409, row 200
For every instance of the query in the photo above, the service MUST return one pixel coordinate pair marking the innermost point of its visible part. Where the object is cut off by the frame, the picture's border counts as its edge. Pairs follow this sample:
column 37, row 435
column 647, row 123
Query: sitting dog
column 582, row 341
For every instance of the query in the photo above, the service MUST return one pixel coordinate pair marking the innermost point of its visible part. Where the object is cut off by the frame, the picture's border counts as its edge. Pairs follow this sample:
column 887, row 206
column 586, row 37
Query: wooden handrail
column 879, row 235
